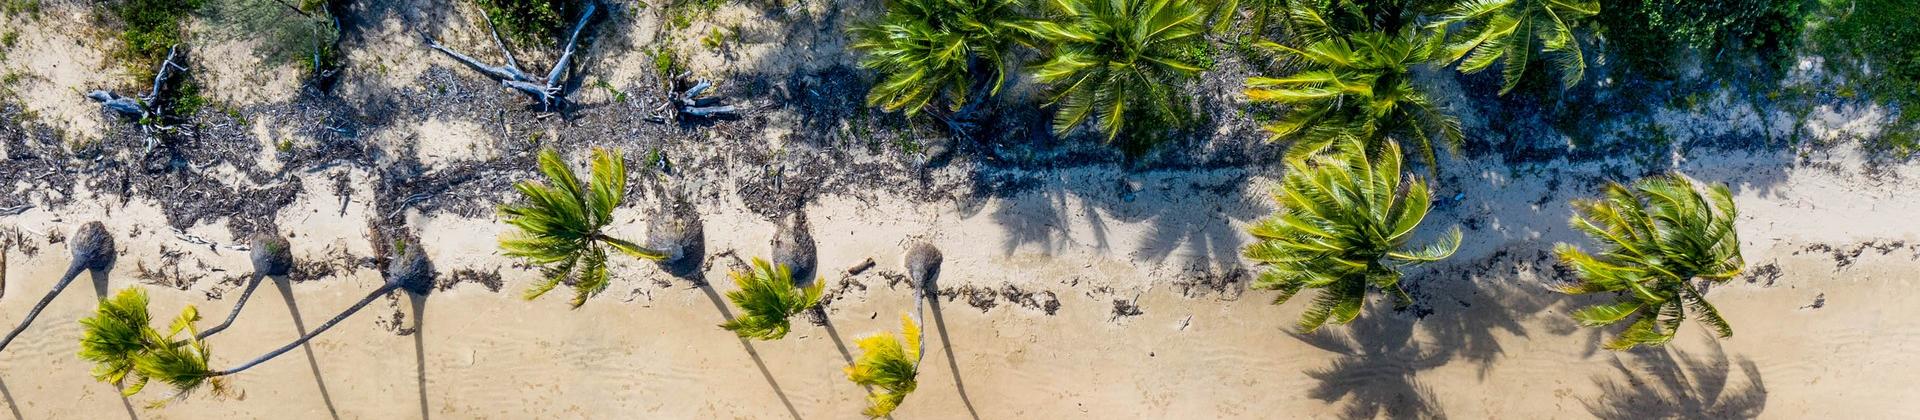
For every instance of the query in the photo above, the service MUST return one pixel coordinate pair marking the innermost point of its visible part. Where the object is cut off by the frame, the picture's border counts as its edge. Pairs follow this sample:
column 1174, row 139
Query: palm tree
column 888, row 365
column 1110, row 58
column 1358, row 87
column 1343, row 226
column 1658, row 238
column 92, row 249
column 184, row 365
column 119, row 331
column 934, row 49
column 885, row 362
column 561, row 225
column 767, row 298
column 1492, row 30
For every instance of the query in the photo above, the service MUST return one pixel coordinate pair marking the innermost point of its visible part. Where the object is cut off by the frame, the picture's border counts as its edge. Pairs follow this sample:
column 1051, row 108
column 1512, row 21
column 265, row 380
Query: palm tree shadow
column 946, row 345
column 12, row 405
column 420, row 349
column 300, row 329
column 1669, row 383
column 1376, row 368
column 755, row 354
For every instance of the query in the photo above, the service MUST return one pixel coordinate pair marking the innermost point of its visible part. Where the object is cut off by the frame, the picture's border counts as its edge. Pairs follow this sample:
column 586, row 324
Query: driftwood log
column 148, row 110
column 551, row 92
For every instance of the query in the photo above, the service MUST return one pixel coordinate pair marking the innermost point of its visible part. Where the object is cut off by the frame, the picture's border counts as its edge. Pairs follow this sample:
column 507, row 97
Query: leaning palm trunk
column 92, row 248
column 271, row 257
column 884, row 362
column 922, row 262
column 185, row 366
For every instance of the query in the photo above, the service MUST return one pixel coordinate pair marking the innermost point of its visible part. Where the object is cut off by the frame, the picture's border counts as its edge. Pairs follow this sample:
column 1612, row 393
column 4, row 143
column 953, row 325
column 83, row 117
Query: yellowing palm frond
column 888, row 366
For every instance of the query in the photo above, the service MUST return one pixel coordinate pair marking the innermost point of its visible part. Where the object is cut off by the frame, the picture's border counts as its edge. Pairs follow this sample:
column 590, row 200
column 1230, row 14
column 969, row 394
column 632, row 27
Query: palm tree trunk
column 919, row 313
column 235, row 313
column 72, row 271
column 382, row 291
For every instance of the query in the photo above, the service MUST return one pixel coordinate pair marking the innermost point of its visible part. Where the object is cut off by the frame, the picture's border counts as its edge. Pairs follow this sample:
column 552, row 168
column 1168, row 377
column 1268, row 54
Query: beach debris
column 15, row 210
column 551, row 92
column 1819, row 301
column 692, row 102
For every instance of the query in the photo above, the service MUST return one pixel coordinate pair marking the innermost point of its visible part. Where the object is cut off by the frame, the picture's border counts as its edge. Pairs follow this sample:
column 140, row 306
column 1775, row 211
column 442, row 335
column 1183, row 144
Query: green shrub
column 286, row 35
column 1647, row 33
column 534, row 22
column 151, row 27
column 1879, row 35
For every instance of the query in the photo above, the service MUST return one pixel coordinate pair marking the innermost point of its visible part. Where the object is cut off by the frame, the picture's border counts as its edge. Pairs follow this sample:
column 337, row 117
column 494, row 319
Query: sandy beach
column 1096, row 290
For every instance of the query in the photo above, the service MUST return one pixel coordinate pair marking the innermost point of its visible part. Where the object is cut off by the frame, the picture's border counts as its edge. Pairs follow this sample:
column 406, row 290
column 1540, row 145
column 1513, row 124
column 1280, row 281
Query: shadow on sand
column 1670, row 383
column 300, row 329
column 721, row 306
column 419, row 349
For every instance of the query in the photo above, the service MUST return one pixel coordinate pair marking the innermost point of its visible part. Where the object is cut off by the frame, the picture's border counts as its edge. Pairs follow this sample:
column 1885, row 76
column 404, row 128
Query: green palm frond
column 1343, row 226
column 1509, row 31
column 560, row 224
column 767, row 298
column 1357, row 87
column 182, row 365
column 1110, row 60
column 1657, row 238
column 118, row 332
column 888, row 365
column 929, row 49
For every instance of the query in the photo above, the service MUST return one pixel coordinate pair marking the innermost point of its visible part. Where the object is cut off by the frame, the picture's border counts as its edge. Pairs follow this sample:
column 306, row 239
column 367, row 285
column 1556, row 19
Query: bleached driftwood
column 148, row 109
column 551, row 92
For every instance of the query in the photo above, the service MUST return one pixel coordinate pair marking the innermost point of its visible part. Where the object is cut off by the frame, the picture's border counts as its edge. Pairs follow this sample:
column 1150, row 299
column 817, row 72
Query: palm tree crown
column 887, row 364
column 928, row 48
column 1343, row 225
column 1657, row 237
column 1109, row 57
column 767, row 298
column 560, row 225
column 1355, row 87
column 1493, row 30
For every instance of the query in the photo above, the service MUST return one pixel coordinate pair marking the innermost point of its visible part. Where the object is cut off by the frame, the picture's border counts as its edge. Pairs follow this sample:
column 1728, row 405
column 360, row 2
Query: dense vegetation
column 1876, row 44
column 1650, row 34
column 530, row 22
column 303, row 32
column 944, row 50
column 1658, row 238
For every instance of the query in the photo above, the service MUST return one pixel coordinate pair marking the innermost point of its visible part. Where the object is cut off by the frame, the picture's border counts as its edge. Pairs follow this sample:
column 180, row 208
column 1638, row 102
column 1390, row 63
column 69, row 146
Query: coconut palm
column 1658, row 238
column 184, row 364
column 92, row 249
column 1358, row 87
column 1110, row 59
column 888, row 365
column 767, row 299
column 927, row 50
column 560, row 225
column 1509, row 31
column 885, row 363
column 1343, row 227
column 118, row 332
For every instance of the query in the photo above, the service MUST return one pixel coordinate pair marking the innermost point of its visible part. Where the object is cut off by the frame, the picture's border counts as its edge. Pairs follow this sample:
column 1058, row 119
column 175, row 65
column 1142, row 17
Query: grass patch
column 1648, row 34
column 531, row 22
column 150, row 28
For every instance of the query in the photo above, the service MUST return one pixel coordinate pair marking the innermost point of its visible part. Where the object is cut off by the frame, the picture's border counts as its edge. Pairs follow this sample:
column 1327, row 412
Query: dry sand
column 1152, row 318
